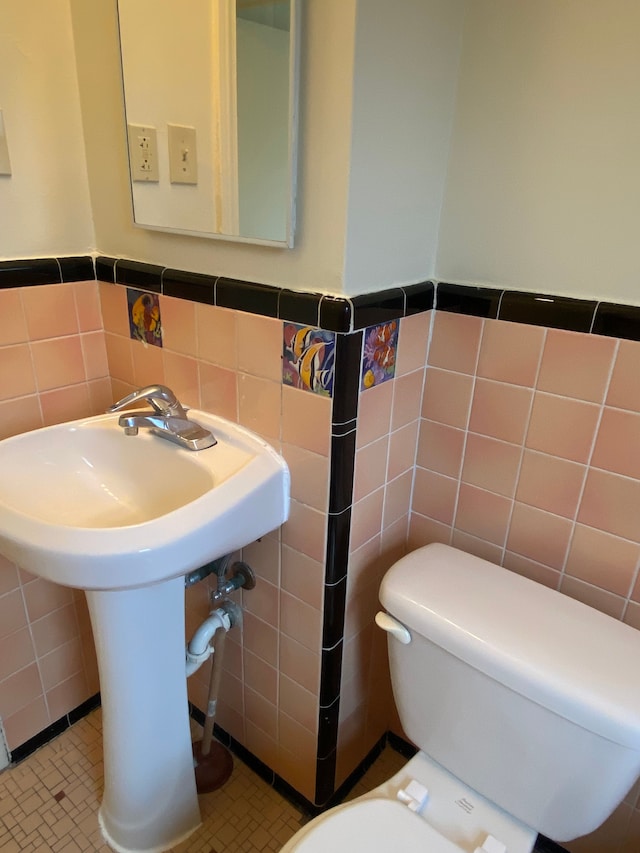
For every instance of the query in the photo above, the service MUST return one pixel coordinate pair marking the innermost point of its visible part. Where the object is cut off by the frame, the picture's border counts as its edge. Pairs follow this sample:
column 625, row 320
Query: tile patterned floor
column 49, row 802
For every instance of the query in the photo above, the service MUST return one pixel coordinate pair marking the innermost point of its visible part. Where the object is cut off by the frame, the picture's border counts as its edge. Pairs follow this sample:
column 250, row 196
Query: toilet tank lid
column 558, row 652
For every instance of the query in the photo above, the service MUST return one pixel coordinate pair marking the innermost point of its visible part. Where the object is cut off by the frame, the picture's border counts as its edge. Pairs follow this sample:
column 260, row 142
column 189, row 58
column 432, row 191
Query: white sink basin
column 85, row 505
column 125, row 517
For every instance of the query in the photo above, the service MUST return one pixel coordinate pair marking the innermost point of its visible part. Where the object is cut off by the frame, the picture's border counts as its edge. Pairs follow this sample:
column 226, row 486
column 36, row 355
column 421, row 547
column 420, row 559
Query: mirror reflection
column 209, row 88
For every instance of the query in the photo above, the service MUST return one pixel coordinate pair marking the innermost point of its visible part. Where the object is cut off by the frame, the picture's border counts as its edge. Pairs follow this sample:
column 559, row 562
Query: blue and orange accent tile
column 308, row 358
column 379, row 354
column 145, row 323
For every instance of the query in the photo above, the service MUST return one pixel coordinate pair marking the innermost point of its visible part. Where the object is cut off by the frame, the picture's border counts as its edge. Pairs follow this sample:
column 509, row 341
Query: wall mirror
column 210, row 90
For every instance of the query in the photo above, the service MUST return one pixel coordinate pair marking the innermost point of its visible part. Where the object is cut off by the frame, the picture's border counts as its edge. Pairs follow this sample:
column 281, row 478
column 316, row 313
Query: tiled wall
column 529, row 456
column 53, row 367
column 513, row 440
column 230, row 362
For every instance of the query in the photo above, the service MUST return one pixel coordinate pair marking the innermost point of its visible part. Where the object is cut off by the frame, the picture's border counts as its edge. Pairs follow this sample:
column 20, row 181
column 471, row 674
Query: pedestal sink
column 125, row 518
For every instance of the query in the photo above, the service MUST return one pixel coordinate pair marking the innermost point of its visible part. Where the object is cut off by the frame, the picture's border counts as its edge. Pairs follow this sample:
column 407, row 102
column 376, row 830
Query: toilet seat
column 373, row 825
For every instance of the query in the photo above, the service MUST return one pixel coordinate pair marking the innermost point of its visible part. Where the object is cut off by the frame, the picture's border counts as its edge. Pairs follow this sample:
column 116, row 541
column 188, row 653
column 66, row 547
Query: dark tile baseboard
column 26, row 749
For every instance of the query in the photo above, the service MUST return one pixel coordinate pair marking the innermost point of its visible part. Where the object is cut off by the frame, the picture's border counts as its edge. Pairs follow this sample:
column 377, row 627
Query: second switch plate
column 183, row 160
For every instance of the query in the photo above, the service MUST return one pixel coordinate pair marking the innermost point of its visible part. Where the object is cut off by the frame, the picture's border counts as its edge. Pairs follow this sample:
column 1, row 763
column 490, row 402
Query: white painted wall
column 317, row 260
column 406, row 68
column 543, row 190
column 44, row 204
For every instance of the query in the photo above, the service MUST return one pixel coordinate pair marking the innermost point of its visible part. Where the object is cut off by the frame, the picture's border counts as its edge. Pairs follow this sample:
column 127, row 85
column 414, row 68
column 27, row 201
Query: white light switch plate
column 183, row 158
column 5, row 163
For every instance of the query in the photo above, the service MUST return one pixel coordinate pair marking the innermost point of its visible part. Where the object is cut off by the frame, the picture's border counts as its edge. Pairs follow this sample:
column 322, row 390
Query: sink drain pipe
column 212, row 761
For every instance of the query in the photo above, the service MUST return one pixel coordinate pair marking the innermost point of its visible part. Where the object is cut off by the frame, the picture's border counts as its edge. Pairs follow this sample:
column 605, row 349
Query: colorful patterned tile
column 308, row 358
column 144, row 317
column 379, row 355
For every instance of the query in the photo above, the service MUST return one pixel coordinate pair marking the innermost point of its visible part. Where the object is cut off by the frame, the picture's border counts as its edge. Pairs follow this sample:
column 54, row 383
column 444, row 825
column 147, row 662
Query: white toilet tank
column 529, row 697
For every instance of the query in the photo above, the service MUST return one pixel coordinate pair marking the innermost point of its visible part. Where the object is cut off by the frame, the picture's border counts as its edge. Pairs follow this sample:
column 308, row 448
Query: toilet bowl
column 521, row 702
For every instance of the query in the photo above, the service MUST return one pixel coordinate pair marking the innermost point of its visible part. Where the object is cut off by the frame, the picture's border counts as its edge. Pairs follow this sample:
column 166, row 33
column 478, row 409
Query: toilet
column 524, row 706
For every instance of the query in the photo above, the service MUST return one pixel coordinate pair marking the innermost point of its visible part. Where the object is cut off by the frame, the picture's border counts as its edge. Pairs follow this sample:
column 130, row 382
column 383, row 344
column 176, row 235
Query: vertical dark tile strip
column 345, row 410
column 346, row 383
column 106, row 269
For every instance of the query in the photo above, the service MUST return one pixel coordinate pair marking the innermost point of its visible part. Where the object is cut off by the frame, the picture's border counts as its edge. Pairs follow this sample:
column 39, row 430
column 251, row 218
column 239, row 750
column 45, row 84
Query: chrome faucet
column 167, row 418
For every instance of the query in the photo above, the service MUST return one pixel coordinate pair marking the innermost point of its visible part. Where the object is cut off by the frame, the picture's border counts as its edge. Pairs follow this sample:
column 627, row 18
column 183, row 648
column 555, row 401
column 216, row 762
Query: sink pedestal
column 150, row 802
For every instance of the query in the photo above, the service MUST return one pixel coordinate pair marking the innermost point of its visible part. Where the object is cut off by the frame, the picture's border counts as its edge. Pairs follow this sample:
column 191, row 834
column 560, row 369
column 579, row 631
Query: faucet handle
column 159, row 397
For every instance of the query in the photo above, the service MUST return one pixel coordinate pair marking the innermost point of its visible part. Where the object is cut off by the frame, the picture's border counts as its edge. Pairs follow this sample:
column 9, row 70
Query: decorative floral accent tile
column 144, row 317
column 308, row 358
column 379, row 354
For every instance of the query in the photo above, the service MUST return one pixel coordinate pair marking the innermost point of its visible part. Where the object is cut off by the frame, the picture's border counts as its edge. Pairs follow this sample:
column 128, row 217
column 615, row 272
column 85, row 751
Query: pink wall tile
column 309, row 476
column 479, row 547
column 261, row 677
column 300, row 664
column 306, row 420
column 482, row 514
column 447, row 397
column 491, row 464
column 618, row 443
column 42, row 597
column 148, row 365
column 524, row 345
column 262, row 601
column 624, row 390
column 300, row 622
column 260, row 638
column 424, row 531
column 264, row 556
column 115, row 313
column 16, row 652
column 217, row 336
column 298, row 703
column 370, row 468
column 500, row 410
column 179, row 325
column 27, row 722
column 181, row 375
column 61, row 664
column 94, row 353
column 65, row 404
column 9, row 579
column 610, row 503
column 412, row 342
column 259, row 406
column 119, row 357
column 366, row 519
column 455, row 342
column 87, row 296
column 539, row 535
column 599, row 599
column 218, row 391
column 537, row 474
column 259, row 343
column 54, row 630
column 603, row 560
column 435, row 495
column 374, row 413
column 19, row 690
column 576, row 365
column 402, row 450
column 50, row 311
column 305, row 531
column 397, row 499
column 407, row 399
column 562, row 426
column 303, row 577
column 19, row 415
column 531, row 569
column 440, row 448
column 16, row 372
column 13, row 324
column 58, row 362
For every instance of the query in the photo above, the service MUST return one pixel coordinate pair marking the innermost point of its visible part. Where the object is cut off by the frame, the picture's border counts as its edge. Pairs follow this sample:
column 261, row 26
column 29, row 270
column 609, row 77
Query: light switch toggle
column 183, row 160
